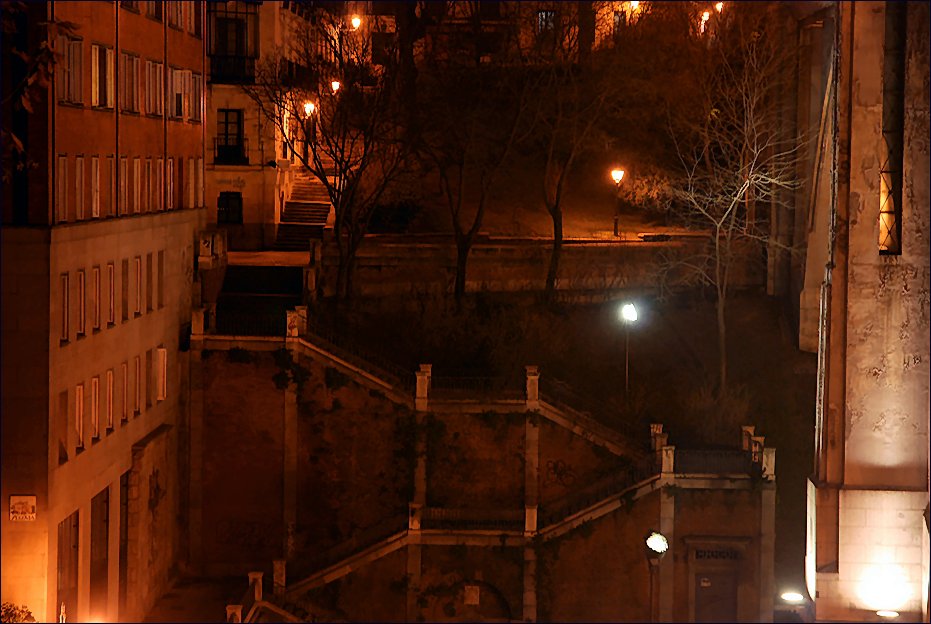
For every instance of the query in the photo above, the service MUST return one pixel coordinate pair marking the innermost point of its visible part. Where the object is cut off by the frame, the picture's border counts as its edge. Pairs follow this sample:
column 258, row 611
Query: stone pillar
column 290, row 452
column 234, row 613
column 197, row 321
column 255, row 582
column 769, row 463
column 668, row 463
column 414, row 516
column 658, row 440
column 421, row 399
column 413, row 581
column 531, row 473
column 533, row 387
column 757, row 444
column 746, row 437
column 297, row 322
column 279, row 578
column 767, row 549
column 530, row 585
column 667, row 523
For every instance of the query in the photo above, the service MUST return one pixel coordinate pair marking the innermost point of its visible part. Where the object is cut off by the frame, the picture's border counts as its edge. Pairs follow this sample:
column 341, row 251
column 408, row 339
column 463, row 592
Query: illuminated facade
column 98, row 246
column 864, row 307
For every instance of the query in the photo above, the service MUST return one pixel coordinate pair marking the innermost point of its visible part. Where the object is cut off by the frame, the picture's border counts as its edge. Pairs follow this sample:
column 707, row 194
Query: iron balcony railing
column 232, row 69
column 231, row 150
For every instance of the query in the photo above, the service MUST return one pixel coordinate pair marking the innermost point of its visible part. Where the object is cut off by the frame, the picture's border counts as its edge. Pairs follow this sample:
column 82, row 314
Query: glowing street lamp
column 656, row 546
column 335, row 85
column 356, row 21
column 634, row 5
column 617, row 175
column 887, row 614
column 628, row 315
column 309, row 109
column 792, row 597
column 704, row 21
column 719, row 7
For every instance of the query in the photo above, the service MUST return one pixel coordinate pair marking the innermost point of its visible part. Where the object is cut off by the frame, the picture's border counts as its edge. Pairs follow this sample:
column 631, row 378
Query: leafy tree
column 10, row 612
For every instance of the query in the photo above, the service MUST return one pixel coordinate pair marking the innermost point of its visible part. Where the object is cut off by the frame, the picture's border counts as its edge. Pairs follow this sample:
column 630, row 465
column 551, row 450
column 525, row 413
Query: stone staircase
column 305, row 214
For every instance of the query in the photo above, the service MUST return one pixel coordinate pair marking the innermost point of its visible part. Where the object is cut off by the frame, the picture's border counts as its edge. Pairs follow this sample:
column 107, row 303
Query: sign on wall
column 22, row 508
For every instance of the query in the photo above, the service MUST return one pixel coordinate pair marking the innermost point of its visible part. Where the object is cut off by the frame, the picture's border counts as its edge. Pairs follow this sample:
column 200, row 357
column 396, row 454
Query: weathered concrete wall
column 604, row 558
column 242, row 462
column 389, row 264
column 476, row 462
column 568, row 462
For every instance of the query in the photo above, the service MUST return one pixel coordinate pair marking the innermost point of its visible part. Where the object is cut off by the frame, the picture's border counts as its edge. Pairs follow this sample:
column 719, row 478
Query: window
column 137, row 273
column 111, row 293
column 171, row 184
column 101, row 76
column 232, row 41
column 153, row 9
column 189, row 17
column 198, row 18
column 155, row 88
column 79, row 414
column 147, row 206
column 546, row 21
column 149, row 379
column 132, row 5
column 124, row 372
column 68, row 69
column 124, row 185
column 197, row 96
column 137, row 386
column 95, row 407
column 160, row 185
column 82, row 303
column 109, row 406
column 95, row 305
column 893, row 123
column 95, row 187
column 61, row 194
column 64, row 286
column 229, row 207
column 137, row 184
column 162, row 374
column 129, row 82
column 125, row 290
column 229, row 144
column 174, row 14
column 180, row 103
column 79, row 187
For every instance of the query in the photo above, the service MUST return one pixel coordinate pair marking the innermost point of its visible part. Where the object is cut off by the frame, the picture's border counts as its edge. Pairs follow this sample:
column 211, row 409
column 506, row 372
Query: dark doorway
column 68, row 537
column 100, row 532
column 716, row 597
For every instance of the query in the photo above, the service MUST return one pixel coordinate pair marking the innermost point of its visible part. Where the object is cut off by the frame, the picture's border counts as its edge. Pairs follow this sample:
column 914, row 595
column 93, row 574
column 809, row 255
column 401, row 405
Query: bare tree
column 331, row 97
column 469, row 119
column 736, row 160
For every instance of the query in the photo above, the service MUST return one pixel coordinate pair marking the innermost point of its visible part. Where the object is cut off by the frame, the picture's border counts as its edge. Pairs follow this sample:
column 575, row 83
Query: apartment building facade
column 99, row 247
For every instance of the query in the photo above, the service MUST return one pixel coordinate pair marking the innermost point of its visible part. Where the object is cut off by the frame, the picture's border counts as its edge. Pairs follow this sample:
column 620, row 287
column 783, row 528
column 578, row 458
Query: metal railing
column 237, row 323
column 360, row 357
column 609, row 415
column 232, row 69
column 714, row 461
column 450, row 387
column 454, row 518
column 231, row 150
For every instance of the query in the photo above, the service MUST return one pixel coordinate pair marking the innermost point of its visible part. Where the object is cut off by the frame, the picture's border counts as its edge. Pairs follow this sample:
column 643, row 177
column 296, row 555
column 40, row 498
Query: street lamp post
column 617, row 175
column 309, row 109
column 628, row 314
column 656, row 546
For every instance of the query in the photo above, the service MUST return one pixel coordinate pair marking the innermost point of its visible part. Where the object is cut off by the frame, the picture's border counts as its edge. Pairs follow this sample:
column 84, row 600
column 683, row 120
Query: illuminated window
column 82, row 304
column 95, row 303
column 162, row 373
column 893, row 121
column 111, row 293
column 124, row 373
column 79, row 187
column 137, row 274
column 110, row 399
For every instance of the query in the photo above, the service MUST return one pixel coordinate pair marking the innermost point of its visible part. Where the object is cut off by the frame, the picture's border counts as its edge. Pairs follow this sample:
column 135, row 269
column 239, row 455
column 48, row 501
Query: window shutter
column 110, row 85
column 95, row 75
column 137, row 79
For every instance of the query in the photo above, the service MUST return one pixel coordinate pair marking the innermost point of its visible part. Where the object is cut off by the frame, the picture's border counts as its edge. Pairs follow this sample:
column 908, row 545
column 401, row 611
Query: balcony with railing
column 230, row 150
column 232, row 69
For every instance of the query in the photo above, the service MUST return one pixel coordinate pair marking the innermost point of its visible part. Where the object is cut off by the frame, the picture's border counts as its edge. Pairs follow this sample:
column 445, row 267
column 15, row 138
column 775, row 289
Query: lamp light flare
column 335, row 85
column 792, row 596
column 356, row 21
column 634, row 5
column 719, row 7
column 657, row 542
column 705, row 16
column 617, row 175
column 309, row 108
column 887, row 614
column 629, row 315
